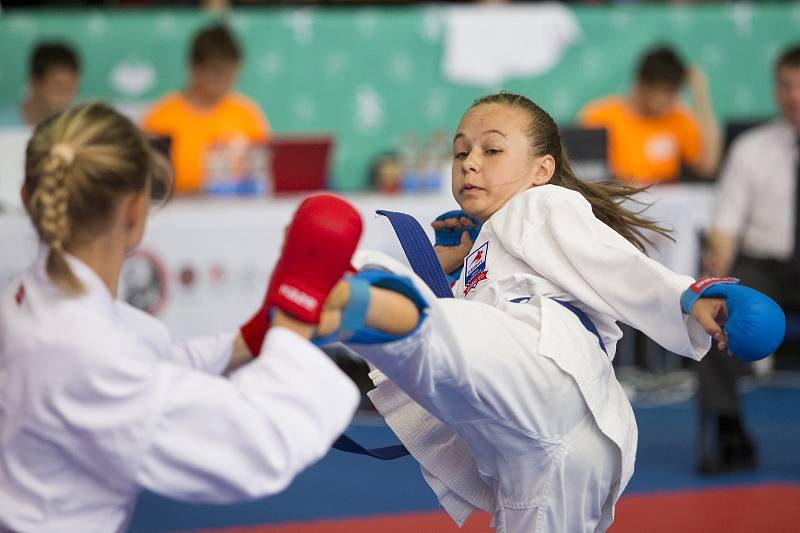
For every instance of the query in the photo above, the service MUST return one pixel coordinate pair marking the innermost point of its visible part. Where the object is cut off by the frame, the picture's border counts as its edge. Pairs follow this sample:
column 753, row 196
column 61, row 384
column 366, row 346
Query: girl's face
column 493, row 161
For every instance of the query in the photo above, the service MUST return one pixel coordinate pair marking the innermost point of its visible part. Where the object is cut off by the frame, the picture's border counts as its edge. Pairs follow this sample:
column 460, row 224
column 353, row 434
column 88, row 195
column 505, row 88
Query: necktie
column 796, row 255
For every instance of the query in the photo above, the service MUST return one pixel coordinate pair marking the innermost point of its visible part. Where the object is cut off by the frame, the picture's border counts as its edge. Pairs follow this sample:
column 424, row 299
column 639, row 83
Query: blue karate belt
column 425, row 264
column 583, row 317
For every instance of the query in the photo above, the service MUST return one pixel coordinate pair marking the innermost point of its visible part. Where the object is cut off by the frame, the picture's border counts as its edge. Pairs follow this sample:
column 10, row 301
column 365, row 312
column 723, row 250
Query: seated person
column 208, row 112
column 386, row 173
column 53, row 79
column 650, row 133
column 54, row 75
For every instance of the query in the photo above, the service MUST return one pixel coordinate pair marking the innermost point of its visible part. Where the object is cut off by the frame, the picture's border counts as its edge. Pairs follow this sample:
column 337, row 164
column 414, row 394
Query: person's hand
column 748, row 324
column 719, row 257
column 697, row 81
column 718, row 262
column 331, row 317
column 711, row 313
column 455, row 233
column 452, row 257
column 318, row 246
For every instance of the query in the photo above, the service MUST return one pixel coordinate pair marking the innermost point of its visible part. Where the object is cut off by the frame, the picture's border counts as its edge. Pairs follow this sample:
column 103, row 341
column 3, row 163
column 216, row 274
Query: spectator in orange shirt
column 651, row 135
column 208, row 111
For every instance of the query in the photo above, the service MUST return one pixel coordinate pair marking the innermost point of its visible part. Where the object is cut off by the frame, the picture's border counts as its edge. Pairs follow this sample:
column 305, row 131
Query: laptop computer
column 299, row 163
column 734, row 128
column 588, row 151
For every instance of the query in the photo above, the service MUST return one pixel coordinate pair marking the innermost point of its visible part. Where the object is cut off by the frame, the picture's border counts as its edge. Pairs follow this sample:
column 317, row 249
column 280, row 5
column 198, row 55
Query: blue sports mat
column 345, row 485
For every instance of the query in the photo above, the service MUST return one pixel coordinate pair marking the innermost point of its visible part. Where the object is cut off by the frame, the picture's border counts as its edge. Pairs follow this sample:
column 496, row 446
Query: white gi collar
column 97, row 294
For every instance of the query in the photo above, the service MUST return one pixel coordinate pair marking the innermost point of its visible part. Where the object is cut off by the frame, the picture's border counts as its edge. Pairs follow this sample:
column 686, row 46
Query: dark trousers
column 718, row 373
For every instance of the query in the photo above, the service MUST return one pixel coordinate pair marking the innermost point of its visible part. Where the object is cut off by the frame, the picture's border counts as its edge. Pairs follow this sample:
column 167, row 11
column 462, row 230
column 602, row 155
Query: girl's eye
column 460, row 155
column 492, row 151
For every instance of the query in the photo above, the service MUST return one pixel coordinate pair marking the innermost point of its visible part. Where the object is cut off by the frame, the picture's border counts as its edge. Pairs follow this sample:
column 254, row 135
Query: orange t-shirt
column 645, row 149
column 193, row 130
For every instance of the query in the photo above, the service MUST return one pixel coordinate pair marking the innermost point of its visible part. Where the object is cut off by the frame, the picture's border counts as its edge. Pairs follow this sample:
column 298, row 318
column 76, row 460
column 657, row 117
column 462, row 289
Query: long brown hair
column 78, row 165
column 605, row 197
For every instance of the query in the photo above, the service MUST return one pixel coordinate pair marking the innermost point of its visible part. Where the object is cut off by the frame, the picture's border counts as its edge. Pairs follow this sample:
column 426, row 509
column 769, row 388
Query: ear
column 24, row 194
column 543, row 170
column 135, row 208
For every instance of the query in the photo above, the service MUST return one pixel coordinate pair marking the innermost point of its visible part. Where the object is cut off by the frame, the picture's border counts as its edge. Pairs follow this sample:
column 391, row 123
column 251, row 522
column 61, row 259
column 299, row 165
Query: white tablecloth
column 204, row 264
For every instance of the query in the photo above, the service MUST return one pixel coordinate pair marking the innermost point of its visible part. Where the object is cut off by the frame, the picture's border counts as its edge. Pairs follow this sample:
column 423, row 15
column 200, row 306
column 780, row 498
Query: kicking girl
column 506, row 394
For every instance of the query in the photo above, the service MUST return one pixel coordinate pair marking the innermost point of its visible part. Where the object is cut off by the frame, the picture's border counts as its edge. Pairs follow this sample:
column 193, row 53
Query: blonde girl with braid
column 96, row 401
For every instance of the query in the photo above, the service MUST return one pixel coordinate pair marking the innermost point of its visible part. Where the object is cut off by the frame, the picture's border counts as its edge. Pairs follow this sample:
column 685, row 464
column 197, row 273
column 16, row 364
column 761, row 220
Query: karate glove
column 319, row 245
column 755, row 325
column 353, row 328
column 448, row 236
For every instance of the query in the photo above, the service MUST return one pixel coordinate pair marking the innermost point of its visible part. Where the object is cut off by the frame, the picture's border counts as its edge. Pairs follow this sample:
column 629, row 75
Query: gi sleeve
column 147, row 422
column 560, row 238
column 211, row 353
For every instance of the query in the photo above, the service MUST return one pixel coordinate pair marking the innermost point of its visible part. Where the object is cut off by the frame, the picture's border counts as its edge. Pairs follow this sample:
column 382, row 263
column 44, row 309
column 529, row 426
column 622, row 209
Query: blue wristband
column 696, row 290
column 396, row 283
column 354, row 314
column 353, row 328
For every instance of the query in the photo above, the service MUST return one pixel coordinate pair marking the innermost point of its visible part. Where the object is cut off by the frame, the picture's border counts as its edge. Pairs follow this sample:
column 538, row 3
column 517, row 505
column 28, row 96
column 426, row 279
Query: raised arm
column 563, row 241
column 711, row 136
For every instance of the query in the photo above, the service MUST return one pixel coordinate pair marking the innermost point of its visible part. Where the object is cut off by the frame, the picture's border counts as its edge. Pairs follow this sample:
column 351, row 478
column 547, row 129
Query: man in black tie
column 755, row 236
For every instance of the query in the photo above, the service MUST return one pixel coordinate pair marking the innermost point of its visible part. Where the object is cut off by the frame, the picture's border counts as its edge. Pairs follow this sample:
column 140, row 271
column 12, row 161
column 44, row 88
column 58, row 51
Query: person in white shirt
column 97, row 402
column 506, row 394
column 755, row 236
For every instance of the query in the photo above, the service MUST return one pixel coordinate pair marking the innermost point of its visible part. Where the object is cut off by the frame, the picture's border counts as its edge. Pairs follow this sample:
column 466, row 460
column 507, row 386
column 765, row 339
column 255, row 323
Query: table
column 203, row 265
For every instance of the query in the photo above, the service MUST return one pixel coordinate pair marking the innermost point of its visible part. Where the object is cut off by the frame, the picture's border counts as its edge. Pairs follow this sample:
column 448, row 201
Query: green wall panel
column 371, row 75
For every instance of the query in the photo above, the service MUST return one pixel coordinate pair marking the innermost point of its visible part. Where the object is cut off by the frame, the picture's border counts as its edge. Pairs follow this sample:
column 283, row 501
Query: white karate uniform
column 97, row 403
column 514, row 408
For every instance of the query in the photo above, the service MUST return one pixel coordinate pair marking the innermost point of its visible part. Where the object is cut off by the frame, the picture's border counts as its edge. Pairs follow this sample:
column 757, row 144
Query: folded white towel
column 486, row 45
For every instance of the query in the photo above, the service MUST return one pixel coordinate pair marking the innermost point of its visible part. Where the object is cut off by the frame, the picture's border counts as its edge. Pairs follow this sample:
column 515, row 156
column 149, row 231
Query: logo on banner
column 20, row 296
column 143, row 282
column 475, row 268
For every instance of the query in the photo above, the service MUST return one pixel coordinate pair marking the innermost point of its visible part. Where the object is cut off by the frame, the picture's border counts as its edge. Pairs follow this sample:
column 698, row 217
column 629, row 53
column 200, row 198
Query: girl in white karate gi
column 96, row 401
column 507, row 400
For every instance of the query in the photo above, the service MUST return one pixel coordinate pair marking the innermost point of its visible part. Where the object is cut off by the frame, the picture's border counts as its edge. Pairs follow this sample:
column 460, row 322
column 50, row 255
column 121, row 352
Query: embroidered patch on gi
column 475, row 268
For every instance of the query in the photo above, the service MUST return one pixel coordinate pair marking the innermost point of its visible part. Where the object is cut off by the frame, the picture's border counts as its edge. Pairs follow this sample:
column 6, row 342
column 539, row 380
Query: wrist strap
column 696, row 290
column 354, row 314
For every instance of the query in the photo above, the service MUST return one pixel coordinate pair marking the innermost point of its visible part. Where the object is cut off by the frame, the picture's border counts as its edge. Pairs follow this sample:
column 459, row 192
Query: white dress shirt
column 97, row 403
column 757, row 191
column 513, row 407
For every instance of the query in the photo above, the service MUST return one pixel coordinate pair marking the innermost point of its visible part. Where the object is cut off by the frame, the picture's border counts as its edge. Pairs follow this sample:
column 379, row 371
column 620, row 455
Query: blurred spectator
column 650, row 133
column 386, row 173
column 208, row 113
column 54, row 75
column 755, row 236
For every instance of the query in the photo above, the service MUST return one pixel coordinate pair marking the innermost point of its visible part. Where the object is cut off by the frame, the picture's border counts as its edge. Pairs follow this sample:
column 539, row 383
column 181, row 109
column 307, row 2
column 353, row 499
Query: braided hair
column 78, row 165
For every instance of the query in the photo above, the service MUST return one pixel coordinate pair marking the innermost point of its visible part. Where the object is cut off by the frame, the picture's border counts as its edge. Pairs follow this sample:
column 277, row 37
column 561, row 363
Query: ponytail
column 49, row 209
column 79, row 164
column 605, row 197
